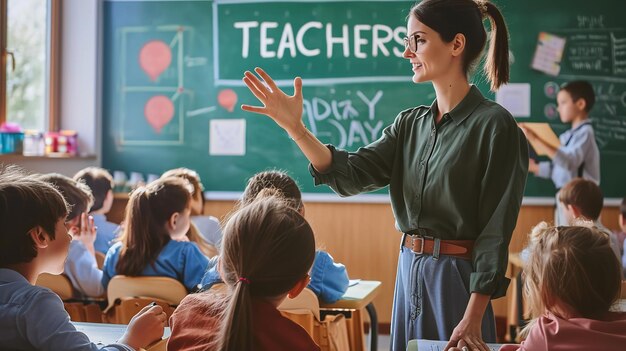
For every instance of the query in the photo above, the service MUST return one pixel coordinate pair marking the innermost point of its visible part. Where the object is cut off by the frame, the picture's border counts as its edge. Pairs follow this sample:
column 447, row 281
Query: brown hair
column 99, row 180
column 192, row 177
column 574, row 266
column 77, row 194
column 25, row 203
column 268, row 247
column 585, row 195
column 147, row 212
column 193, row 233
column 581, row 89
column 451, row 17
column 274, row 179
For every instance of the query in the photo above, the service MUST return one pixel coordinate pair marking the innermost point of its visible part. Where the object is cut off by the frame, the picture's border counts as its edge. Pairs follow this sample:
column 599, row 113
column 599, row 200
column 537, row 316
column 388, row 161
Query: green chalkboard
column 172, row 80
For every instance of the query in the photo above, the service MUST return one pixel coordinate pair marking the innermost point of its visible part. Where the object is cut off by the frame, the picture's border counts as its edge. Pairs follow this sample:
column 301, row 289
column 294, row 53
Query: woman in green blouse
column 456, row 172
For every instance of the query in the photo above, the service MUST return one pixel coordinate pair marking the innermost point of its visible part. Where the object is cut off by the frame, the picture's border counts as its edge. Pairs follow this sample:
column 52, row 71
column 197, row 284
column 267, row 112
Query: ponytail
column 497, row 61
column 236, row 333
column 451, row 17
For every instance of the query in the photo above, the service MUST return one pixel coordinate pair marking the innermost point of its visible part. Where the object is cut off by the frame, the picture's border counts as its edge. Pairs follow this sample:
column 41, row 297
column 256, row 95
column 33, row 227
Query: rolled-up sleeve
column 502, row 190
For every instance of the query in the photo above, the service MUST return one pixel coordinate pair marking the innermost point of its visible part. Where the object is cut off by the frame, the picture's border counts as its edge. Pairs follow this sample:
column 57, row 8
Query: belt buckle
column 413, row 239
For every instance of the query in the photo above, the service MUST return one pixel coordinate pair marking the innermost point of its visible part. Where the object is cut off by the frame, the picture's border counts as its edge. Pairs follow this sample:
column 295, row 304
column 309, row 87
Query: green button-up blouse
column 460, row 179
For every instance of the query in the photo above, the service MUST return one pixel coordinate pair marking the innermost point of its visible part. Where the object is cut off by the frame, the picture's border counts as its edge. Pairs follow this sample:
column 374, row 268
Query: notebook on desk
column 432, row 345
column 103, row 334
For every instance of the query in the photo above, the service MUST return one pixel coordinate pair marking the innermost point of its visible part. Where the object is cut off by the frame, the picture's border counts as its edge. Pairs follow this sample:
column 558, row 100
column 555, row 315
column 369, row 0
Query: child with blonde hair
column 572, row 280
column 157, row 218
column 267, row 251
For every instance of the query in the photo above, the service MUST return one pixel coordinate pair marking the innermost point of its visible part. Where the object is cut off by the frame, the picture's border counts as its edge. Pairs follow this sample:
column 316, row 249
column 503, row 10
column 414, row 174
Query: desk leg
column 371, row 310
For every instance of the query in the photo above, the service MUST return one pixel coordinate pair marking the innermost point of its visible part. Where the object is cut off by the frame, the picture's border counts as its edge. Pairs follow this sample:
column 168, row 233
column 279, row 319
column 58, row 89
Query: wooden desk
column 515, row 301
column 356, row 299
column 105, row 334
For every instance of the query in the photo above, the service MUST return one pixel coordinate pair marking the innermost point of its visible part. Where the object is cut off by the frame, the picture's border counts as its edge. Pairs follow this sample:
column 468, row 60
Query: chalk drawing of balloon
column 227, row 99
column 550, row 111
column 159, row 111
column 154, row 58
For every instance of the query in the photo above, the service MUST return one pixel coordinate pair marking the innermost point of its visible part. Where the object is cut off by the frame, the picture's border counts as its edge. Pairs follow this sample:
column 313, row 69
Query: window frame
column 53, row 63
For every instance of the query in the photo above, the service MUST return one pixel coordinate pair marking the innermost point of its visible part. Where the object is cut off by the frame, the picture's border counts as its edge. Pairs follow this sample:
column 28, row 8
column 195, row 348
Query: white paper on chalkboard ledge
column 227, row 137
column 515, row 97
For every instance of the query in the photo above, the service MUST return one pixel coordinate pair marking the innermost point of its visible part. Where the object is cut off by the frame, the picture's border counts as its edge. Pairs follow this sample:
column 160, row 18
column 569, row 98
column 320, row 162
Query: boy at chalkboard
column 578, row 154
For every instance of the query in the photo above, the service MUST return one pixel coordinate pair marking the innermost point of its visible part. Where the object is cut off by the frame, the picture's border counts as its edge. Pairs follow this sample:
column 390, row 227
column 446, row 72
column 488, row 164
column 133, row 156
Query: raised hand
column 285, row 110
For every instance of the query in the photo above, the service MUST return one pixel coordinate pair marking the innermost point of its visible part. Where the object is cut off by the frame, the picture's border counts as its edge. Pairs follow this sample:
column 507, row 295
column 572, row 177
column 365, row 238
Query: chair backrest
column 100, row 259
column 164, row 288
column 306, row 300
column 59, row 284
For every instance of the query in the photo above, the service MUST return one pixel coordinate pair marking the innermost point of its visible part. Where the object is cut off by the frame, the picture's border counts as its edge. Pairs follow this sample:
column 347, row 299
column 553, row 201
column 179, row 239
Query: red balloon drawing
column 227, row 99
column 159, row 111
column 154, row 58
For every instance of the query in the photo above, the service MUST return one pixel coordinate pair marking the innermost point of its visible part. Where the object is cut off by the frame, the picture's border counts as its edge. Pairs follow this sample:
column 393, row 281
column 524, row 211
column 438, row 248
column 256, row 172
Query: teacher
column 456, row 172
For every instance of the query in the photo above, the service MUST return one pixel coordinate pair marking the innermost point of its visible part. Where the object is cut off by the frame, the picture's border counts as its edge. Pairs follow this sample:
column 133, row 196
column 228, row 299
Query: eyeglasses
column 413, row 42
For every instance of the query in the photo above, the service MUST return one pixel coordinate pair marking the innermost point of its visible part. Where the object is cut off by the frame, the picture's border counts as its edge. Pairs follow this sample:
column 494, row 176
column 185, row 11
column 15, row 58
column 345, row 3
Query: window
column 29, row 32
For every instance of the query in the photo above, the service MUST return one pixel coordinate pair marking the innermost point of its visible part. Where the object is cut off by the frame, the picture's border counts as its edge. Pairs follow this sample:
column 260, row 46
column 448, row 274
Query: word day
column 325, row 119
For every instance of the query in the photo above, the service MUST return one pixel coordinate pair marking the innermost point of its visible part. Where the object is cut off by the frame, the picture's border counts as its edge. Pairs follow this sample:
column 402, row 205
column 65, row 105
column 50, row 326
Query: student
column 582, row 200
column 100, row 182
column 329, row 280
column 80, row 267
column 35, row 240
column 456, row 172
column 204, row 230
column 572, row 280
column 266, row 252
column 578, row 155
column 157, row 218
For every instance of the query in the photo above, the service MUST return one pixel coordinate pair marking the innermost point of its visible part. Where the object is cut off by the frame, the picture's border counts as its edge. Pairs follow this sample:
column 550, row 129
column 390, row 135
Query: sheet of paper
column 544, row 132
column 515, row 97
column 548, row 53
column 227, row 137
column 430, row 345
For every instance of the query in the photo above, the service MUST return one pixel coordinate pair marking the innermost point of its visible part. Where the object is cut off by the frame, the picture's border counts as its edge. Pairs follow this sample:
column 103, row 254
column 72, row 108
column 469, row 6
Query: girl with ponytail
column 267, row 251
column 456, row 172
column 152, row 241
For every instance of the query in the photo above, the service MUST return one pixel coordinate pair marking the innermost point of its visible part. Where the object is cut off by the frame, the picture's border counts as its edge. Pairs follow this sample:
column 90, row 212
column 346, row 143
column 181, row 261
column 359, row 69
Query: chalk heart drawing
column 154, row 58
column 159, row 111
column 227, row 99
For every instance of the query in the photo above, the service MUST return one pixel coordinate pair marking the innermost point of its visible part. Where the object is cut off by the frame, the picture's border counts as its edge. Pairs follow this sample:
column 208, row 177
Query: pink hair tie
column 244, row 280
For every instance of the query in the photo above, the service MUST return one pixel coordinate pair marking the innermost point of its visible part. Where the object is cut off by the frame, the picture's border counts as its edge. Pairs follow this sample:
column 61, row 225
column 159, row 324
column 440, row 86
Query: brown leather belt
column 424, row 245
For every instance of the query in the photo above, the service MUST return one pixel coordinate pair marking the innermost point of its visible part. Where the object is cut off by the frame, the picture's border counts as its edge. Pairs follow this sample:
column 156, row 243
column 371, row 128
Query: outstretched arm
column 286, row 111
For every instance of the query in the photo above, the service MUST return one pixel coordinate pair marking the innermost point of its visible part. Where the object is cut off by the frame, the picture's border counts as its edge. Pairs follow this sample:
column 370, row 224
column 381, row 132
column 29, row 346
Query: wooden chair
column 128, row 295
column 623, row 293
column 59, row 284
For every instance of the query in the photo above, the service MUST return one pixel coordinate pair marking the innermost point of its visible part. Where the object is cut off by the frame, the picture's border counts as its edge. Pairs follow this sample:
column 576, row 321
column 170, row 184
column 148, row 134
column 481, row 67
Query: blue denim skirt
column 430, row 299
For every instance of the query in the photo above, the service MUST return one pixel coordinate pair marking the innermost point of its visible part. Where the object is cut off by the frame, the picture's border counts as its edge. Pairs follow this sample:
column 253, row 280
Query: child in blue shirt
column 80, row 267
column 578, row 155
column 329, row 280
column 205, row 230
column 153, row 241
column 35, row 240
column 100, row 182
